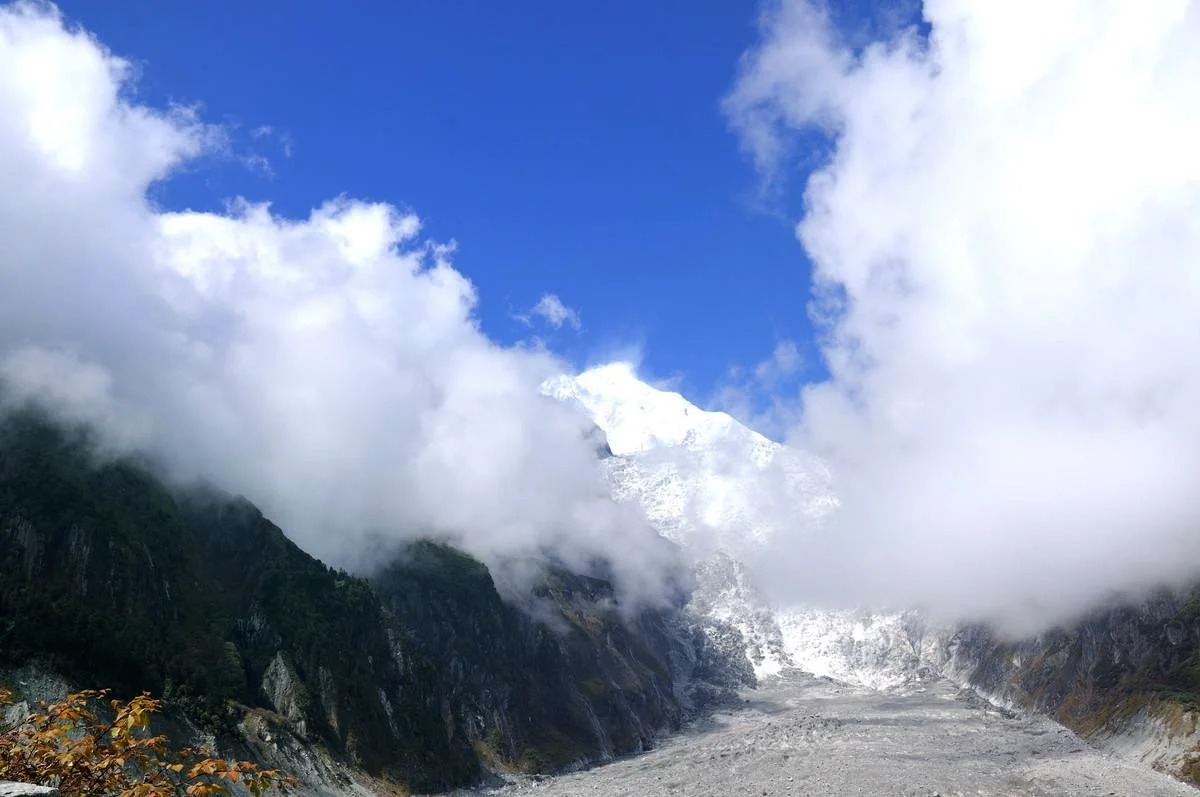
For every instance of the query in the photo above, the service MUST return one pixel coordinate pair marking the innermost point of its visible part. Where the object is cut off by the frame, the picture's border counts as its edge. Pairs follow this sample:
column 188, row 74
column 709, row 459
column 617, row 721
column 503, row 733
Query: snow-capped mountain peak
column 709, row 483
column 721, row 491
column 638, row 417
column 699, row 475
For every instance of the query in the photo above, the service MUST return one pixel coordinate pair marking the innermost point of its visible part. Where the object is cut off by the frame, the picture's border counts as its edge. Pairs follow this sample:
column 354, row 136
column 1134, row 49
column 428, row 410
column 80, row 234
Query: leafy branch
column 67, row 745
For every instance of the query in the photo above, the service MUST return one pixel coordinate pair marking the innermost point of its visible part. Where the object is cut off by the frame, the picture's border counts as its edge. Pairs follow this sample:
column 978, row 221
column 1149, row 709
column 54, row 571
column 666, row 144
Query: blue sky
column 567, row 147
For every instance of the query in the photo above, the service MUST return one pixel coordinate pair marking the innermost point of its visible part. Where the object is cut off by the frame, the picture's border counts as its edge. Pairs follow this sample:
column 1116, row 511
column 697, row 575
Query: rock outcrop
column 10, row 789
column 1126, row 677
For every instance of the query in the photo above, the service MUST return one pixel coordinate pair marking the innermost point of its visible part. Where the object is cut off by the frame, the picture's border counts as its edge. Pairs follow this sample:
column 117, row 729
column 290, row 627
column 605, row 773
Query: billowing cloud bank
column 328, row 368
column 1006, row 243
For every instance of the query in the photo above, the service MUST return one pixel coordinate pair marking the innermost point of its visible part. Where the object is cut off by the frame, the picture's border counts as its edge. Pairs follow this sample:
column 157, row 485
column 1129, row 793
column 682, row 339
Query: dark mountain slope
column 425, row 677
column 546, row 693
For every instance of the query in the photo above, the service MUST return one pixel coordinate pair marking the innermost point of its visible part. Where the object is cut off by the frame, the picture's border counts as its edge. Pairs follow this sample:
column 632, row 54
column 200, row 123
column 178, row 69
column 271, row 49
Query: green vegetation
column 555, row 751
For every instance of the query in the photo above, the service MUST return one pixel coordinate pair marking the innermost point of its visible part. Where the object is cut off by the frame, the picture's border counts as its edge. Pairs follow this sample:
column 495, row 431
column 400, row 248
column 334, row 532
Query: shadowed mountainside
column 423, row 677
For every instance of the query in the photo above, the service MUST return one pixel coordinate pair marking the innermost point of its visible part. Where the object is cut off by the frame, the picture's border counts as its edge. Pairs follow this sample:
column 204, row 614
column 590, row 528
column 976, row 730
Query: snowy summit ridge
column 637, row 417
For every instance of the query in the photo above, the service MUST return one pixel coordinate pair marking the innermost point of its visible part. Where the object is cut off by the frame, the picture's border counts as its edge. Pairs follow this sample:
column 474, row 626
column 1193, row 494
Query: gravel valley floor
column 804, row 736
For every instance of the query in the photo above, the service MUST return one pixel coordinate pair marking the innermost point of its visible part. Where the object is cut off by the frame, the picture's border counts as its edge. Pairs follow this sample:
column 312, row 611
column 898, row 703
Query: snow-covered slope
column 637, row 417
column 719, row 489
column 705, row 480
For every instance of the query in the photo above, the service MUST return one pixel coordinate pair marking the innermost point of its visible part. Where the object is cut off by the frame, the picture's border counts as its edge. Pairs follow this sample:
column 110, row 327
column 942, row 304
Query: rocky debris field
column 806, row 736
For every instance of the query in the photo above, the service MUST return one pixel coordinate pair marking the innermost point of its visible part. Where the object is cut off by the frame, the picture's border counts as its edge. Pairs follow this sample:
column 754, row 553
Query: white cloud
column 551, row 310
column 1005, row 244
column 330, row 368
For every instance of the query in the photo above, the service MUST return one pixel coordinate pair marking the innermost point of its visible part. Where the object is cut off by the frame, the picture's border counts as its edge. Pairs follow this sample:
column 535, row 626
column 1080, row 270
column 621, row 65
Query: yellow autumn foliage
column 69, row 746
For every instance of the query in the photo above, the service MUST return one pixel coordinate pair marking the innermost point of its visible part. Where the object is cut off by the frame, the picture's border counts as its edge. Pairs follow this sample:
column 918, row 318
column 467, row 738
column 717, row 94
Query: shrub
column 69, row 746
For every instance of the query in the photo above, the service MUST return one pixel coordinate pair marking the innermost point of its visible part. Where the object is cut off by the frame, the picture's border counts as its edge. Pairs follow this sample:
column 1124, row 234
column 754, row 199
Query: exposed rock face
column 1127, row 677
column 283, row 690
column 424, row 677
column 580, row 684
column 10, row 789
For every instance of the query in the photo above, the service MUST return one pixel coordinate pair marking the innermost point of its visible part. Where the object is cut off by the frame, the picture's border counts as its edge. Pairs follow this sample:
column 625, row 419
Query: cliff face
column 579, row 684
column 423, row 677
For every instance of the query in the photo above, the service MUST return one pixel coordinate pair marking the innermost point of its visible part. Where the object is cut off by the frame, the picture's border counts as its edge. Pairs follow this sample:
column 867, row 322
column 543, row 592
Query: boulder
column 10, row 789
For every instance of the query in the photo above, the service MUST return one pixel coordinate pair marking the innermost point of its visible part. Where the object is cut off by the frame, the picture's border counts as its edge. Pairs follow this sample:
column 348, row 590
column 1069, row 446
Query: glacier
column 721, row 490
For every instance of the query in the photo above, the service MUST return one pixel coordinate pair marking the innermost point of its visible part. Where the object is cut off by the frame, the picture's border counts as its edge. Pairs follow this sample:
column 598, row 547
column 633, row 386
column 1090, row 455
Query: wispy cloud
column 551, row 311
column 784, row 361
column 755, row 395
